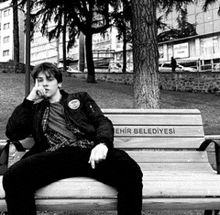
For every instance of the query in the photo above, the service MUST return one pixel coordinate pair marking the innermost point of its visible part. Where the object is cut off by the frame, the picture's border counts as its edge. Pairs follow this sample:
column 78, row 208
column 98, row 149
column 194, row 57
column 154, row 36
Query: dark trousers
column 22, row 179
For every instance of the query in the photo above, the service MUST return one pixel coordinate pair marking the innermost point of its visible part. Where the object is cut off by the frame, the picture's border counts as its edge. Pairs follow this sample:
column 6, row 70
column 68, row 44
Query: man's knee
column 129, row 167
column 14, row 177
column 7, row 180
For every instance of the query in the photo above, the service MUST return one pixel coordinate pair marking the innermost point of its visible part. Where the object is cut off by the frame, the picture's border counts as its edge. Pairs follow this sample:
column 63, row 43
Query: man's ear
column 59, row 85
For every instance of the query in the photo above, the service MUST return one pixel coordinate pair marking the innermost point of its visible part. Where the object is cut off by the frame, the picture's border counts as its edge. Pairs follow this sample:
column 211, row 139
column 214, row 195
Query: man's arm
column 103, row 125
column 104, row 131
column 19, row 124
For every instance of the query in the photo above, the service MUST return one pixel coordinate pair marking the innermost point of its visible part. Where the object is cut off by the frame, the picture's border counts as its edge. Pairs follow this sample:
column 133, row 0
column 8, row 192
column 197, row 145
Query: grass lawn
column 109, row 95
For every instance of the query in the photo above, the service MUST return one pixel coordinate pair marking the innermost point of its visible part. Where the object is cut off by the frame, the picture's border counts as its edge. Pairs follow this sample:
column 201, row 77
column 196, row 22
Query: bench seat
column 169, row 190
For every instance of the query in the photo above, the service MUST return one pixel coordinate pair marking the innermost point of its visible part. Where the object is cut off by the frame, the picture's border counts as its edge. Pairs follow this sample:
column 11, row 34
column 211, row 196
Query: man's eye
column 39, row 80
column 50, row 78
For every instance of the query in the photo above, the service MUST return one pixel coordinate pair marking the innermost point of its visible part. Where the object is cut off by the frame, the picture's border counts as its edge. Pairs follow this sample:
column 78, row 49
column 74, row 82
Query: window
column 6, row 39
column 6, row 53
column 6, row 26
column 7, row 12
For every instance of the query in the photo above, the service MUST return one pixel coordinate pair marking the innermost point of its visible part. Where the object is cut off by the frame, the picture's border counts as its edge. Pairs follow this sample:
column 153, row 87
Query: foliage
column 207, row 3
column 169, row 5
column 86, row 16
column 122, row 20
column 185, row 29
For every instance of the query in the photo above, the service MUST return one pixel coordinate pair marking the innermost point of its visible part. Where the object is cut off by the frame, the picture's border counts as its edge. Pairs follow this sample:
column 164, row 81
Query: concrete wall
column 11, row 67
column 204, row 82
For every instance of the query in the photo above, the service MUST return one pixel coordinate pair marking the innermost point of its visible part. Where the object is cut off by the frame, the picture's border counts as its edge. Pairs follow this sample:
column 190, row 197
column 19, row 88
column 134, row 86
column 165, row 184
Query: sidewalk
column 150, row 212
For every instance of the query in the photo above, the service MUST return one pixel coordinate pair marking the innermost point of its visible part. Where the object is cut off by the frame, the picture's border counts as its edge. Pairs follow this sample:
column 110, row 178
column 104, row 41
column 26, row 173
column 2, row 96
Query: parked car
column 216, row 68
column 166, row 67
column 116, row 67
column 69, row 69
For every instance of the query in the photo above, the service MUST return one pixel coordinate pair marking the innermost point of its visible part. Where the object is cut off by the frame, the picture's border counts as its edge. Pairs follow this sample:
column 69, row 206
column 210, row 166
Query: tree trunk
column 15, row 31
column 89, row 59
column 81, row 64
column 124, row 52
column 145, row 54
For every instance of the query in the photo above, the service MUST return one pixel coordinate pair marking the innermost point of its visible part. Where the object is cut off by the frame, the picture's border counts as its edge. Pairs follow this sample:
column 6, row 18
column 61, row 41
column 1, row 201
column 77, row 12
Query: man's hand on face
column 98, row 153
column 37, row 92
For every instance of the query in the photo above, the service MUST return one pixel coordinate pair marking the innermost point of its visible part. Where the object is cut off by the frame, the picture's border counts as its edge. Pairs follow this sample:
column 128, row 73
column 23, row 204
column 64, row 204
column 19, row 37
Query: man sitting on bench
column 72, row 138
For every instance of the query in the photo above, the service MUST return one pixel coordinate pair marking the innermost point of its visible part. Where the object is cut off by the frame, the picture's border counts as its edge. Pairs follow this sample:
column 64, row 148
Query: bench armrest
column 206, row 143
column 216, row 141
column 209, row 139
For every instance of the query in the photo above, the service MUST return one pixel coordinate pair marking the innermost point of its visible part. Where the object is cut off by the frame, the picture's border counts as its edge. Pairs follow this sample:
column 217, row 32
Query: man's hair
column 47, row 67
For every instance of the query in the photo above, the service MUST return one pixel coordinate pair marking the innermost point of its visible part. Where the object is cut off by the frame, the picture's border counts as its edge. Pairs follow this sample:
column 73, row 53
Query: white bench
column 165, row 143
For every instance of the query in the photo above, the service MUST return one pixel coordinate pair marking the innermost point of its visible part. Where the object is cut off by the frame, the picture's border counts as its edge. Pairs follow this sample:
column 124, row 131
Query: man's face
column 49, row 83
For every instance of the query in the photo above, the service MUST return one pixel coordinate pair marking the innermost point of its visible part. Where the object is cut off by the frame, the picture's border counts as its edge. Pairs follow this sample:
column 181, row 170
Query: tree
column 90, row 17
column 145, row 49
column 122, row 21
column 86, row 16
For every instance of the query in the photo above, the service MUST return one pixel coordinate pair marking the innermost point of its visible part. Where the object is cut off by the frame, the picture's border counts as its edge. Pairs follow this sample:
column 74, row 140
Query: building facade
column 204, row 48
column 51, row 51
column 6, row 33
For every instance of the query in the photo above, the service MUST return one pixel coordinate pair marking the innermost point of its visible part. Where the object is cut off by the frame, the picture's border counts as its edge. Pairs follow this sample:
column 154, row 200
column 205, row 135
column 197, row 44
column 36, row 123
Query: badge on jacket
column 74, row 104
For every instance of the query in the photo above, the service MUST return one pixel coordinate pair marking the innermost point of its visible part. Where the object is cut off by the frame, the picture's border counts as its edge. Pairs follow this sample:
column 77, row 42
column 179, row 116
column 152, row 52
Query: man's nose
column 45, row 82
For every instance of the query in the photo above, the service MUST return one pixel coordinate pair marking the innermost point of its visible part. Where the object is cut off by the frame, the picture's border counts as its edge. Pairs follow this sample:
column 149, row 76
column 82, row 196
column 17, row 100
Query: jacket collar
column 64, row 96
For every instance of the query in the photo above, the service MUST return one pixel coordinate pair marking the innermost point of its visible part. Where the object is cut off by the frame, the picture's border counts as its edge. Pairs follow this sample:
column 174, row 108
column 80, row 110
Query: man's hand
column 98, row 153
column 37, row 92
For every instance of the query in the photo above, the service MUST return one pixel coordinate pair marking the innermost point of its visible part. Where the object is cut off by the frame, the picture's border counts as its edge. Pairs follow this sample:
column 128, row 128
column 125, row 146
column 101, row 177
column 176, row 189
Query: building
column 201, row 50
column 111, row 48
column 51, row 51
column 6, row 32
column 42, row 50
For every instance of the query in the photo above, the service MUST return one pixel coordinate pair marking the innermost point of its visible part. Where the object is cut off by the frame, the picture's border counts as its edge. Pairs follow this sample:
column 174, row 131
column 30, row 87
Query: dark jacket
column 79, row 109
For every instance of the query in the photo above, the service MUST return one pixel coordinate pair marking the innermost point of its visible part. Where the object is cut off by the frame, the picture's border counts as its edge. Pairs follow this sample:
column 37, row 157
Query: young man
column 72, row 138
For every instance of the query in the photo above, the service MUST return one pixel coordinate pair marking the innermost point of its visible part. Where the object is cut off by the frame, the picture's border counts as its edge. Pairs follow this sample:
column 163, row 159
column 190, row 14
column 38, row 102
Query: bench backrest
column 156, row 138
column 157, row 129
column 161, row 139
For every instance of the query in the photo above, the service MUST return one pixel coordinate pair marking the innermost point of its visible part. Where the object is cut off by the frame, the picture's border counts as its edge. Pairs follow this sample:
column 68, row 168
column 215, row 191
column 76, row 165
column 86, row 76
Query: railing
column 100, row 54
